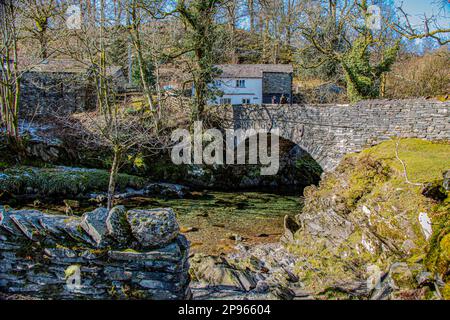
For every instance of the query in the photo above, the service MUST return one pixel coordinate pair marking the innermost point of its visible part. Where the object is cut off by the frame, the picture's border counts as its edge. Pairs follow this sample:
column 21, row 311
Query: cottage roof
column 251, row 70
column 60, row 65
column 66, row 66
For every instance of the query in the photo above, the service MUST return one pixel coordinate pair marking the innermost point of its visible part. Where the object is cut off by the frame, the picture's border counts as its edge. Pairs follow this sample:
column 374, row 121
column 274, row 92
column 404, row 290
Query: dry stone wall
column 101, row 255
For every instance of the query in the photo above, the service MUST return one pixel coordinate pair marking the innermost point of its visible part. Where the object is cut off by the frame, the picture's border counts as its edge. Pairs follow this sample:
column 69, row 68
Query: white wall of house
column 251, row 91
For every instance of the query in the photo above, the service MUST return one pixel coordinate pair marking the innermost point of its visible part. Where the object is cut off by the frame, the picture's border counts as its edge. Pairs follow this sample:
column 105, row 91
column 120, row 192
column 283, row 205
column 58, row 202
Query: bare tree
column 39, row 13
column 122, row 132
column 431, row 28
column 10, row 77
column 115, row 124
column 135, row 13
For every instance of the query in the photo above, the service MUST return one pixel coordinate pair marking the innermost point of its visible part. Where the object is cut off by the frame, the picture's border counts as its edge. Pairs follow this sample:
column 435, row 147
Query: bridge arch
column 297, row 168
column 329, row 132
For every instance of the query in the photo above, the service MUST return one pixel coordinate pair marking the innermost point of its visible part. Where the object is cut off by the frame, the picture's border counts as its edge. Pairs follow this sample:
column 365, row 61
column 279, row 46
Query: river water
column 214, row 222
column 220, row 219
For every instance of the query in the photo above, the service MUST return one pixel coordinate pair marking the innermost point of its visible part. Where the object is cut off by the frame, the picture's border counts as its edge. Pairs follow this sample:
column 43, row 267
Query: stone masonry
column 101, row 255
column 276, row 84
column 329, row 132
column 55, row 92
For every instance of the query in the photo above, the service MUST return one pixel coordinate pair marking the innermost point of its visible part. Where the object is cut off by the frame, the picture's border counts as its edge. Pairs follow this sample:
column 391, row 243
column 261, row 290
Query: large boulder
column 153, row 227
column 94, row 224
column 167, row 190
column 117, row 225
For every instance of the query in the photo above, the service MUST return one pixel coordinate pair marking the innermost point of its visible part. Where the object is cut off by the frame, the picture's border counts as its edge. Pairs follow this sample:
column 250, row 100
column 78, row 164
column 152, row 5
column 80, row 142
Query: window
column 245, row 101
column 225, row 101
column 240, row 83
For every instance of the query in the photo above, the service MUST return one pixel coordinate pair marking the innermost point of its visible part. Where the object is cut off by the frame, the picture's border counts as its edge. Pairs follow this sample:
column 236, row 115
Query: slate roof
column 60, row 65
column 251, row 70
column 67, row 66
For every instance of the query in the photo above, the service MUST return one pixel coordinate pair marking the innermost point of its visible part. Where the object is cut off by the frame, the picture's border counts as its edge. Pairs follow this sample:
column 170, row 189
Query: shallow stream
column 214, row 222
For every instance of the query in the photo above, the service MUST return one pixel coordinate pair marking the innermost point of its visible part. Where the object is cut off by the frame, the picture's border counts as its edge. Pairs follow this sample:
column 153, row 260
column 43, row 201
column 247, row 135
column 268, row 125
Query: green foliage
column 149, row 70
column 362, row 77
column 438, row 257
column 369, row 172
column 198, row 41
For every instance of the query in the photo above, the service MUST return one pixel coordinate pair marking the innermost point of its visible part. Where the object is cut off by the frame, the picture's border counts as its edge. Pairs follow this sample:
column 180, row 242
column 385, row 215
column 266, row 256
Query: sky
column 417, row 8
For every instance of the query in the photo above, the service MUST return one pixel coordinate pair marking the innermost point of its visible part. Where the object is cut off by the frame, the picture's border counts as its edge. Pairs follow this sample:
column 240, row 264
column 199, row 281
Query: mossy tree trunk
column 198, row 15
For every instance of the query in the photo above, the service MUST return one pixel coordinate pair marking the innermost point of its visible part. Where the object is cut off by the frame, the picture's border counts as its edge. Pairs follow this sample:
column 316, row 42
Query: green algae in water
column 220, row 216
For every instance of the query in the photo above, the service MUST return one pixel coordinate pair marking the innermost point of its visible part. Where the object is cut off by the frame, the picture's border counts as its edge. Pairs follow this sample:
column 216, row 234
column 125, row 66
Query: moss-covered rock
column 366, row 214
column 61, row 181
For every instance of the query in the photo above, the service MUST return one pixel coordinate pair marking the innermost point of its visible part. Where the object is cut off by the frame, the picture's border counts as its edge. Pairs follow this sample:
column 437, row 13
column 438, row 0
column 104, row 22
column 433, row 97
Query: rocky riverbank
column 261, row 272
column 377, row 227
column 373, row 230
column 213, row 221
column 366, row 232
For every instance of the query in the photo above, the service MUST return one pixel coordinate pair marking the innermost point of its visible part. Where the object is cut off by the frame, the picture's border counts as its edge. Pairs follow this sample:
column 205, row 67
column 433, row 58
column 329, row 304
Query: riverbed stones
column 153, row 227
column 37, row 249
column 217, row 271
column 167, row 190
column 263, row 271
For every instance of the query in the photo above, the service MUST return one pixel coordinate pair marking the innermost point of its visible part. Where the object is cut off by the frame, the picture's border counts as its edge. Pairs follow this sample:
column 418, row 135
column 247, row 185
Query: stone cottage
column 257, row 84
column 62, row 85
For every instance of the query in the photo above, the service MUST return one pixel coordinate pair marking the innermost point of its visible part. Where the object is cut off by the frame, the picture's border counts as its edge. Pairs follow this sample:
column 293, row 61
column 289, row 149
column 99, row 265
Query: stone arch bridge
column 328, row 132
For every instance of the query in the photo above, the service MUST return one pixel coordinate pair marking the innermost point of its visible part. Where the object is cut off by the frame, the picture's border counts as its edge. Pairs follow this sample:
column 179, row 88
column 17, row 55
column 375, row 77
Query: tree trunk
column 10, row 81
column 140, row 58
column 113, row 177
column 383, row 84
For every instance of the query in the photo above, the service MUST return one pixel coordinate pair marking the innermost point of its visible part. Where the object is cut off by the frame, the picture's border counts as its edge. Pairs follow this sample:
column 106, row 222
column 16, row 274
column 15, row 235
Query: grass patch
column 425, row 160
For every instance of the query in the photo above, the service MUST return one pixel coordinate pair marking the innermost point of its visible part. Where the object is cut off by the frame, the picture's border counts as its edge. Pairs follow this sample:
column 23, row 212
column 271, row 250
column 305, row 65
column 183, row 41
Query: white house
column 253, row 84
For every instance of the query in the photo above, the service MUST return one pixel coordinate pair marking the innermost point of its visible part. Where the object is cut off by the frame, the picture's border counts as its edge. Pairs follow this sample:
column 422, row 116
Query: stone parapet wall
column 102, row 255
column 328, row 132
